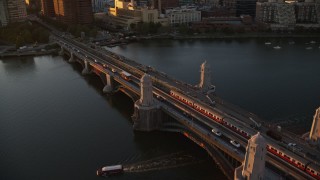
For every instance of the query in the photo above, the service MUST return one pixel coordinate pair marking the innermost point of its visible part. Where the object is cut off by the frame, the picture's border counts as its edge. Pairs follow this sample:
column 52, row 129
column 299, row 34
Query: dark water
column 275, row 84
column 56, row 123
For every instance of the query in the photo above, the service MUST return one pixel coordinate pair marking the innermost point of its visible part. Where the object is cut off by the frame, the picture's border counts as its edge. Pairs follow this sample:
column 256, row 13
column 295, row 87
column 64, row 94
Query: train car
column 288, row 156
column 237, row 127
column 125, row 75
column 313, row 170
column 203, row 109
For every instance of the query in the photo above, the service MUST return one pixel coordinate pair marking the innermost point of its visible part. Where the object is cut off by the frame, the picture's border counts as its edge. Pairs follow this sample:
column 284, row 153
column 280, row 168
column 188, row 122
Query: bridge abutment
column 147, row 114
column 71, row 59
column 61, row 51
column 87, row 69
column 205, row 84
column 108, row 87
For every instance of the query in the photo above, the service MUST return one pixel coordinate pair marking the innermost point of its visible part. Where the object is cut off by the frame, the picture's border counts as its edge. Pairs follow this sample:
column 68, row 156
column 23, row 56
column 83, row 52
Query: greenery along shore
column 24, row 33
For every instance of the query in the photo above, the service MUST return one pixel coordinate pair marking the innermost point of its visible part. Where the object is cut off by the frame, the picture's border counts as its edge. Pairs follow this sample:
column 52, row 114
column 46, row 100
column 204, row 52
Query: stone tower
column 147, row 114
column 315, row 129
column 205, row 78
column 253, row 166
column 146, row 98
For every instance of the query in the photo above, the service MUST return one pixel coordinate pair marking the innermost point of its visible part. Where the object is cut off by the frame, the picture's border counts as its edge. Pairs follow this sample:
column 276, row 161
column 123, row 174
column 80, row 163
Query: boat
column 277, row 47
column 291, row 42
column 267, row 43
column 308, row 48
column 312, row 42
column 110, row 170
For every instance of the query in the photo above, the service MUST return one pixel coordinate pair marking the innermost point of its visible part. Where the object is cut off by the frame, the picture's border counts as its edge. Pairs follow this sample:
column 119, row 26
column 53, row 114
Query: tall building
column 185, row 2
column 16, row 10
column 47, row 8
column 3, row 13
column 100, row 5
column 306, row 12
column 246, row 7
column 73, row 11
column 280, row 15
column 164, row 4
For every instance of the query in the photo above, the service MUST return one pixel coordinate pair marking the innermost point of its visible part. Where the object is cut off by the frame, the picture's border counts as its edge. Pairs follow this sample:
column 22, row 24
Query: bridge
column 164, row 103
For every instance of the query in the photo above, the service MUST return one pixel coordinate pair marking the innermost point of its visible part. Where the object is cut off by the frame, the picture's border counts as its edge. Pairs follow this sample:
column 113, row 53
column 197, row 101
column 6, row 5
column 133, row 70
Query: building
column 17, row 11
column 101, row 5
column 165, row 4
column 3, row 13
column 185, row 2
column 306, row 12
column 47, row 8
column 183, row 15
column 253, row 167
column 127, row 12
column 246, row 7
column 73, row 11
column 280, row 15
column 237, row 24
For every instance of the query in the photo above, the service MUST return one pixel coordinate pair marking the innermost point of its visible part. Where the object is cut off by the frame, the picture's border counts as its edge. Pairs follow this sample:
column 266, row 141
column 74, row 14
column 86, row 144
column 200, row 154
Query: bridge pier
column 147, row 114
column 71, row 59
column 108, row 87
column 87, row 68
column 61, row 51
column 205, row 84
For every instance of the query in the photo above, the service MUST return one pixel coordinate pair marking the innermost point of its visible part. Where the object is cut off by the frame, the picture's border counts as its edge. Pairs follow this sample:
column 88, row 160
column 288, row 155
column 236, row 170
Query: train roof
column 314, row 167
column 288, row 152
column 240, row 125
column 111, row 168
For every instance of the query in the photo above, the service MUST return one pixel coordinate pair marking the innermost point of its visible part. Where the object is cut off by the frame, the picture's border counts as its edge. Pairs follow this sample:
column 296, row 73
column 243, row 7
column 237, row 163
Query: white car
column 235, row 143
column 216, row 132
column 292, row 144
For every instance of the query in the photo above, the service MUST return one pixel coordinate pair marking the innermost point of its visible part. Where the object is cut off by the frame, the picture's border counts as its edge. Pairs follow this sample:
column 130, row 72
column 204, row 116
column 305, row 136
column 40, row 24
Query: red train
column 306, row 166
column 216, row 116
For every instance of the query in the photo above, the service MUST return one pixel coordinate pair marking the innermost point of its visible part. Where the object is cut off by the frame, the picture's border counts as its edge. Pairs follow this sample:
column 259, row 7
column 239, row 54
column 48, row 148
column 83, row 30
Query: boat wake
column 164, row 162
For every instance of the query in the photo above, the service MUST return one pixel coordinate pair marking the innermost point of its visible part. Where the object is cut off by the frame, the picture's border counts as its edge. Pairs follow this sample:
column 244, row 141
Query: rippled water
column 57, row 124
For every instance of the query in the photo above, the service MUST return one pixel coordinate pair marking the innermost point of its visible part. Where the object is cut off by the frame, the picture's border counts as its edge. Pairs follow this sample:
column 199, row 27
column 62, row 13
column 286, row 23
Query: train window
column 299, row 163
column 280, row 153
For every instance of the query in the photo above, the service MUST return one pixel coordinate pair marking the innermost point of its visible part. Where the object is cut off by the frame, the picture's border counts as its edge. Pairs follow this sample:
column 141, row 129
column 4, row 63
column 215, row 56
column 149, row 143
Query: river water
column 57, row 124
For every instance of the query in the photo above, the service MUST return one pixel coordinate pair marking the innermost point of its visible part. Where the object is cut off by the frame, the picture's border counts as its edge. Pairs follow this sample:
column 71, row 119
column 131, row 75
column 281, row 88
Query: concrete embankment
column 27, row 53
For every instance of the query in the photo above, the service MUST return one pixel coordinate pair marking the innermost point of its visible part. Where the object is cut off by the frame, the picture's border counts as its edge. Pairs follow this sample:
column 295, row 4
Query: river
column 57, row 124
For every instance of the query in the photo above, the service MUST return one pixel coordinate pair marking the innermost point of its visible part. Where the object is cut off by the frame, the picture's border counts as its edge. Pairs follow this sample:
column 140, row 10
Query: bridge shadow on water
column 118, row 100
column 162, row 151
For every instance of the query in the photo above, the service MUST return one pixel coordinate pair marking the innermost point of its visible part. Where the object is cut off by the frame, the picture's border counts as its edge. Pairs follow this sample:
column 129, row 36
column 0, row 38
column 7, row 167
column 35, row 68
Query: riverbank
column 230, row 36
column 28, row 53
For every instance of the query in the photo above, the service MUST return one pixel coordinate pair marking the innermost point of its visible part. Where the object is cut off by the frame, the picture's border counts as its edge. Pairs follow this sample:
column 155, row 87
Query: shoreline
column 230, row 36
column 28, row 53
